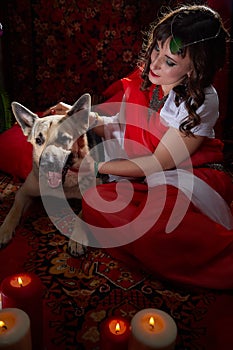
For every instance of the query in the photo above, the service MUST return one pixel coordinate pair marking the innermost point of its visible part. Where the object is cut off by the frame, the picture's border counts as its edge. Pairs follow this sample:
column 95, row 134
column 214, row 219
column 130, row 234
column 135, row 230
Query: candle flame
column 152, row 322
column 3, row 325
column 20, row 281
column 118, row 327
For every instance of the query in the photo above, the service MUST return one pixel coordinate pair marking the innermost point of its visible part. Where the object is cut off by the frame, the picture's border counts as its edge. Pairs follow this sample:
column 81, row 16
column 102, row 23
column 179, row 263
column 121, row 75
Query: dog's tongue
column 54, row 179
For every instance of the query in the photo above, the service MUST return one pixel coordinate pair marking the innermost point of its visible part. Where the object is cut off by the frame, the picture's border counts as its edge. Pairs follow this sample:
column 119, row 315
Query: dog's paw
column 76, row 249
column 5, row 237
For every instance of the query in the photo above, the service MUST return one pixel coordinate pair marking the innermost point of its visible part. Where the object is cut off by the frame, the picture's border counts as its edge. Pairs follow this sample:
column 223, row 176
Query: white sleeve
column 113, row 141
column 208, row 112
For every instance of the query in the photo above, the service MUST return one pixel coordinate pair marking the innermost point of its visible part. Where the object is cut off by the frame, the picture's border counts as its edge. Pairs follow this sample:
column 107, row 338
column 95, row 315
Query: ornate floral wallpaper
column 59, row 49
column 56, row 50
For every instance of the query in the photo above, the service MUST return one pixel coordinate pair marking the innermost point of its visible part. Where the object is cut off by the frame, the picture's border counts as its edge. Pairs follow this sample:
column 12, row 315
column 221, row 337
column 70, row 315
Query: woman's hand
column 96, row 123
column 93, row 119
column 60, row 108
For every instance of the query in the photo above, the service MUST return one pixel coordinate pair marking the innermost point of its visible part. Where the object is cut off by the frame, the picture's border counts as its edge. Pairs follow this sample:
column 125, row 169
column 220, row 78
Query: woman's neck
column 166, row 89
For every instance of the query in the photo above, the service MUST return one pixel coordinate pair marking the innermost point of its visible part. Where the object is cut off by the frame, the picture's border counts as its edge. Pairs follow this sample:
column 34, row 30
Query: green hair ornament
column 175, row 45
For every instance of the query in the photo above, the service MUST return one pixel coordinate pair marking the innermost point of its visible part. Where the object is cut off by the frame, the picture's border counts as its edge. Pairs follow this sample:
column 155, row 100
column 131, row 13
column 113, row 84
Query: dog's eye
column 39, row 140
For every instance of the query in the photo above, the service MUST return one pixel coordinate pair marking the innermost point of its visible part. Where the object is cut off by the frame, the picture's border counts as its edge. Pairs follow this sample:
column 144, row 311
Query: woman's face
column 167, row 69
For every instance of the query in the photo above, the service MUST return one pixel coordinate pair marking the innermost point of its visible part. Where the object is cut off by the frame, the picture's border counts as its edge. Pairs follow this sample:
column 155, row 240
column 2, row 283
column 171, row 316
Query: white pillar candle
column 15, row 331
column 152, row 329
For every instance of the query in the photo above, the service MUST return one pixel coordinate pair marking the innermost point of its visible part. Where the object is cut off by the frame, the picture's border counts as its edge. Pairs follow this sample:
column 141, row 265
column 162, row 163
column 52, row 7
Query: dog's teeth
column 54, row 179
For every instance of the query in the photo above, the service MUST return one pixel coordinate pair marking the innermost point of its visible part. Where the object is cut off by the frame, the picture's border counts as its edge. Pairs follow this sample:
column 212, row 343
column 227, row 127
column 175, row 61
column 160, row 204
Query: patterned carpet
column 80, row 293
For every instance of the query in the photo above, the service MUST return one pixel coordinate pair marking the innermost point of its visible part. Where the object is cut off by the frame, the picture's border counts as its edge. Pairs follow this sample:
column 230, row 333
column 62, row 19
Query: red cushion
column 15, row 153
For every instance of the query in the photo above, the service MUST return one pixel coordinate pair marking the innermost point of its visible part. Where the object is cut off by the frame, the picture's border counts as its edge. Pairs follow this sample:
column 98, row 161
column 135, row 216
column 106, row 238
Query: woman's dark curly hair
column 190, row 23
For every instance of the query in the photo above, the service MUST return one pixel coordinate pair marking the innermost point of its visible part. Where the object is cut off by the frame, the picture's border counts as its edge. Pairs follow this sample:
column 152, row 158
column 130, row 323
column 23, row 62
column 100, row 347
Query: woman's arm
column 173, row 149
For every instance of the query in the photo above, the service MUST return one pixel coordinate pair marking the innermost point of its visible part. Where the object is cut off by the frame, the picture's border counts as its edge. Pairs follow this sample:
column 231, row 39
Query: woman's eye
column 170, row 63
column 156, row 48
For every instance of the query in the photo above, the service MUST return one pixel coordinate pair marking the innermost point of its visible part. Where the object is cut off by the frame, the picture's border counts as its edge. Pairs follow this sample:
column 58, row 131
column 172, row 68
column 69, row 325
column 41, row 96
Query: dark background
column 55, row 50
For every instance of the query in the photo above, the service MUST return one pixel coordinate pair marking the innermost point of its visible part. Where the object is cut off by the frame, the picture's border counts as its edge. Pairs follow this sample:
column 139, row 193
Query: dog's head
column 55, row 138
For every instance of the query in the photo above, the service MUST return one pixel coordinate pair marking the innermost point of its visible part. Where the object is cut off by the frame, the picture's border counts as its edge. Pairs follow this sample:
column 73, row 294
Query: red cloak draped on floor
column 198, row 251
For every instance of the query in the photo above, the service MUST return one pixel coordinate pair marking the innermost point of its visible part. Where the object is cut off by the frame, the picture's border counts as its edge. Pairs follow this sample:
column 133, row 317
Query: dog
column 59, row 142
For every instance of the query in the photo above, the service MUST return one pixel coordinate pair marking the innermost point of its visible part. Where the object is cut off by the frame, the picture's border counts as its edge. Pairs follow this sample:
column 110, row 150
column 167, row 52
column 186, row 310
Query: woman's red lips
column 153, row 74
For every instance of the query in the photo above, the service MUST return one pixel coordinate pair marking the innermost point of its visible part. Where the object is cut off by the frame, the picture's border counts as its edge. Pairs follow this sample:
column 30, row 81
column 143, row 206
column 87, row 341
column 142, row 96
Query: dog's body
column 55, row 139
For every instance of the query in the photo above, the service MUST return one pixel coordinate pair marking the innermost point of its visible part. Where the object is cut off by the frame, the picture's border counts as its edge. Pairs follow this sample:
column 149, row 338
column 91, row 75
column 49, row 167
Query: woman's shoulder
column 211, row 93
column 210, row 90
column 211, row 101
column 173, row 115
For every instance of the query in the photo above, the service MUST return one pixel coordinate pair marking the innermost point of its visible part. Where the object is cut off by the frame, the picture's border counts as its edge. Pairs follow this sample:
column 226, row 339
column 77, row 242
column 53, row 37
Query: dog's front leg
column 23, row 197
column 78, row 241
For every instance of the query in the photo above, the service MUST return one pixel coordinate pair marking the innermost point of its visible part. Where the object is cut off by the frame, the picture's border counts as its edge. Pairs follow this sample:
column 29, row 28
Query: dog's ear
column 24, row 117
column 81, row 110
column 84, row 102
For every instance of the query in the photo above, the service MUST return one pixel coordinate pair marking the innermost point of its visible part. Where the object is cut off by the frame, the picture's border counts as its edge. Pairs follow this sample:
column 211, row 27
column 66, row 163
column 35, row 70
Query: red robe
column 198, row 251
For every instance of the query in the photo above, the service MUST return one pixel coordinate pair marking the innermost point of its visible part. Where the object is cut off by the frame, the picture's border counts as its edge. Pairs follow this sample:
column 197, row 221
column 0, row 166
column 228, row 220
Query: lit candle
column 25, row 291
column 152, row 329
column 15, row 331
column 114, row 334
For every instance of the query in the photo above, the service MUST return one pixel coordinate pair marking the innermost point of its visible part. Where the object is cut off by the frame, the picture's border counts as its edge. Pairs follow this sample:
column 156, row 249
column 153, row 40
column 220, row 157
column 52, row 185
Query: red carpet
column 80, row 293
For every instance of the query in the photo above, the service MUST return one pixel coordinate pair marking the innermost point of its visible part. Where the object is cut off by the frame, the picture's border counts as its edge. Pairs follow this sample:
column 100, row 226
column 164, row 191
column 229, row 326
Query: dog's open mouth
column 54, row 179
column 56, row 175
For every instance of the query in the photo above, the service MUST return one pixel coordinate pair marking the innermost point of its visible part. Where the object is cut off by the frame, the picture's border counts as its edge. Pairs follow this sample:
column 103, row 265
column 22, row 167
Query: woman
column 165, row 206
